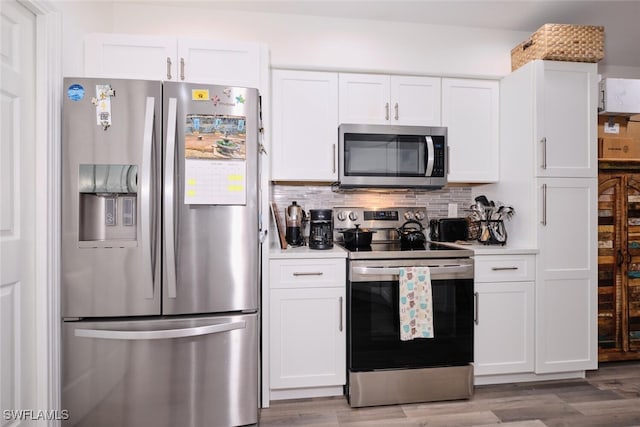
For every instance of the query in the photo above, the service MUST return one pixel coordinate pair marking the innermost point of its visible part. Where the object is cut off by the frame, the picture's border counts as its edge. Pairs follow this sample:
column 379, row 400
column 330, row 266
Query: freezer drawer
column 198, row 371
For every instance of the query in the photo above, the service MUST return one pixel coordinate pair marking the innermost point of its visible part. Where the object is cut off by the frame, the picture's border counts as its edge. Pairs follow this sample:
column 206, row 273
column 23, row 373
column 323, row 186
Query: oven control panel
column 377, row 218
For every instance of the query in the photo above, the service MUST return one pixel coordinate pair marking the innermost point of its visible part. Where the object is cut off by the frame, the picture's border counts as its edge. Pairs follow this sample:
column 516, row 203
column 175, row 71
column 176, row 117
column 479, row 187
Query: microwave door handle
column 430, row 156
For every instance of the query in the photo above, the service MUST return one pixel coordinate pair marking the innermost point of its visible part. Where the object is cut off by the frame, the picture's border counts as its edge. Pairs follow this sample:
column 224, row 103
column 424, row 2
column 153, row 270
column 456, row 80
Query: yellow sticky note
column 191, row 182
column 235, row 188
column 234, row 177
column 191, row 193
column 200, row 94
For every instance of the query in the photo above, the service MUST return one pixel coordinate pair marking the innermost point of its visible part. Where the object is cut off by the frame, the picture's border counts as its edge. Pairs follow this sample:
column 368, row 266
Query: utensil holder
column 492, row 232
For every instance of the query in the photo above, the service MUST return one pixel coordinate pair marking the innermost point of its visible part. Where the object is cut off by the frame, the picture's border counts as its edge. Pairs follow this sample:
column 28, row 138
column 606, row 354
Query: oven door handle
column 395, row 271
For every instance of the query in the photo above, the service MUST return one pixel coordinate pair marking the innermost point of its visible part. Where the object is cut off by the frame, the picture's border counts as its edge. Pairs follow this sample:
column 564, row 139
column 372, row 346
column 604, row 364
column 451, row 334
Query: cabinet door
column 611, row 257
column 364, row 98
column 415, row 100
column 308, row 343
column 504, row 328
column 566, row 119
column 566, row 293
column 631, row 293
column 130, row 56
column 219, row 62
column 470, row 112
column 305, row 126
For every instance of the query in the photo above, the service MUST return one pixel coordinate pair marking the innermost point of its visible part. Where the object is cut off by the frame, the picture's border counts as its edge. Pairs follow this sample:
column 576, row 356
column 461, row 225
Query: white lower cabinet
column 504, row 331
column 567, row 272
column 307, row 323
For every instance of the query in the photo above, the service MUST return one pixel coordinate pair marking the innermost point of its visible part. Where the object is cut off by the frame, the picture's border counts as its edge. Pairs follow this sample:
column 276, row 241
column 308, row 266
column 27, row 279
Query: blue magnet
column 75, row 92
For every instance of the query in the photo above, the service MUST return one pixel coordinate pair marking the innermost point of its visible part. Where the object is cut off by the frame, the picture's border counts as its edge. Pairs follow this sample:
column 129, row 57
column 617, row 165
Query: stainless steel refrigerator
column 160, row 253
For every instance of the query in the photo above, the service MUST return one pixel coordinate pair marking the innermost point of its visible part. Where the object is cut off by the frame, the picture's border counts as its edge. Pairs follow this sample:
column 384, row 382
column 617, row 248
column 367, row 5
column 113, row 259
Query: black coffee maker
column 321, row 229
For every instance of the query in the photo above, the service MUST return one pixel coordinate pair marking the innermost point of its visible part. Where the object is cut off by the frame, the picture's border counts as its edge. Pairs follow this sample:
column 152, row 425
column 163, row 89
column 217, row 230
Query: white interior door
column 17, row 211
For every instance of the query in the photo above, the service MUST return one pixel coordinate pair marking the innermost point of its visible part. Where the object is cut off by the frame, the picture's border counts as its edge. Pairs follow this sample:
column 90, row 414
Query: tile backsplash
column 323, row 197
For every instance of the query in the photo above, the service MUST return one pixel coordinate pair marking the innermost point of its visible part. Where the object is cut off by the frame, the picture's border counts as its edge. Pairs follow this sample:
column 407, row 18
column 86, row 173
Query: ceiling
column 621, row 19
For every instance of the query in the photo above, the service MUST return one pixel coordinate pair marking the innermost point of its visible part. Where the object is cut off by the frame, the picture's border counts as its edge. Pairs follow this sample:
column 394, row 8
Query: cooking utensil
column 411, row 237
column 357, row 237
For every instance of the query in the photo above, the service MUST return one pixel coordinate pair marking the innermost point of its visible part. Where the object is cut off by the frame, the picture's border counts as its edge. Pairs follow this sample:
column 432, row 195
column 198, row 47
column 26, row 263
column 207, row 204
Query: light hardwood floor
column 608, row 397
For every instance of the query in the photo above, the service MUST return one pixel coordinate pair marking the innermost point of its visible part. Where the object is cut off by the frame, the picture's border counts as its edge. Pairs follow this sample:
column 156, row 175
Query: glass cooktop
column 394, row 250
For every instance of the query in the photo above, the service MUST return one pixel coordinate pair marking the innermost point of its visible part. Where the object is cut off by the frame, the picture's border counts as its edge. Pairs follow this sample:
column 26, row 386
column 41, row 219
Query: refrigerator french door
column 160, row 245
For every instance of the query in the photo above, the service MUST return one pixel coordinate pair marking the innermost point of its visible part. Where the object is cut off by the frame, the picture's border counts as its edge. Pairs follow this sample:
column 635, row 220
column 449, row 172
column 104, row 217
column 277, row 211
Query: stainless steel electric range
column 383, row 369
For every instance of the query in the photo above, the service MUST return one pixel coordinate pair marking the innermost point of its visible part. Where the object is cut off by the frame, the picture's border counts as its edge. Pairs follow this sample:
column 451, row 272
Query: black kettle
column 411, row 236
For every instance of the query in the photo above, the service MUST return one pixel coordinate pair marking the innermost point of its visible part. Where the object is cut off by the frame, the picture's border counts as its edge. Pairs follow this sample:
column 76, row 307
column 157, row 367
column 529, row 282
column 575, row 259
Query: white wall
column 302, row 41
column 78, row 19
column 307, row 42
column 327, row 43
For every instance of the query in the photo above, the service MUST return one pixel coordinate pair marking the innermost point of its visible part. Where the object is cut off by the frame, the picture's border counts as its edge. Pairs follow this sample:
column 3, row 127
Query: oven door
column 374, row 320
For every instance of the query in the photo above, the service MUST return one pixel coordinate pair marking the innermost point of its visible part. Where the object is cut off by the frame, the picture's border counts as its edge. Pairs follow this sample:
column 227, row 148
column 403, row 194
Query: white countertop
column 339, row 252
column 305, row 252
column 480, row 249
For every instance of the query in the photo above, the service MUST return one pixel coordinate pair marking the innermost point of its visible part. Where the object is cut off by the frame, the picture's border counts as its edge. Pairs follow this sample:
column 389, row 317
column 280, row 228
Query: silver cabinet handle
column 543, row 141
column 386, row 111
column 334, row 158
column 145, row 196
column 476, row 305
column 340, row 312
column 181, row 68
column 159, row 335
column 396, row 108
column 544, row 205
column 169, row 223
column 168, row 68
column 308, row 273
column 503, row 268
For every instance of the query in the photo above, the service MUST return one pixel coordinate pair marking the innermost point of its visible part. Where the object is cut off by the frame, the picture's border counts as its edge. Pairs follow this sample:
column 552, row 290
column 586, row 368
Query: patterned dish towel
column 416, row 305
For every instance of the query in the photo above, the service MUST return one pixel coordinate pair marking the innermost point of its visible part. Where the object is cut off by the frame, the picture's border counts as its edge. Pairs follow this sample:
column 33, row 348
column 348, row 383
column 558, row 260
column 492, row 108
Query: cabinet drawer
column 311, row 273
column 504, row 268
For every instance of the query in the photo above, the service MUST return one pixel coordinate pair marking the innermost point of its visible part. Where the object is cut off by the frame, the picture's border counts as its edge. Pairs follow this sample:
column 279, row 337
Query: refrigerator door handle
column 145, row 196
column 169, row 237
column 161, row 334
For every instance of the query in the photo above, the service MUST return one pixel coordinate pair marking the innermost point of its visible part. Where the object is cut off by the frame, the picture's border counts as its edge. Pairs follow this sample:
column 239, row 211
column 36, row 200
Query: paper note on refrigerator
column 215, row 182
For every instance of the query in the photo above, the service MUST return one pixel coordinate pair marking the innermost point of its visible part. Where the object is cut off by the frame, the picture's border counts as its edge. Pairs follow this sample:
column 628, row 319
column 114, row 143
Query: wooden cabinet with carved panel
column 618, row 265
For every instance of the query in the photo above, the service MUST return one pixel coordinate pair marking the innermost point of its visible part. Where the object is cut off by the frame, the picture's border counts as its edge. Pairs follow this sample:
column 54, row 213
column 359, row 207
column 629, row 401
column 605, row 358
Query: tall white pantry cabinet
column 548, row 172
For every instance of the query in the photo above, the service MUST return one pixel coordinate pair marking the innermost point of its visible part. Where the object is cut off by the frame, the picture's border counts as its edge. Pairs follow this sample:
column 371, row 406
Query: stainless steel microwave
column 391, row 156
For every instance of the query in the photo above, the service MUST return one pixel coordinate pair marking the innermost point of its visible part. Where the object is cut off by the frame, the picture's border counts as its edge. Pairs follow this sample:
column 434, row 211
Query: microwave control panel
column 439, row 149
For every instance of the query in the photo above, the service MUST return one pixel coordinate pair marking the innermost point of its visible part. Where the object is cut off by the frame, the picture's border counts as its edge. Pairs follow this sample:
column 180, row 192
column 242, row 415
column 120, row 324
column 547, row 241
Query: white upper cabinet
column 415, row 100
column 305, row 125
column 470, row 111
column 127, row 56
column 565, row 130
column 383, row 99
column 174, row 59
column 219, row 62
column 364, row 98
